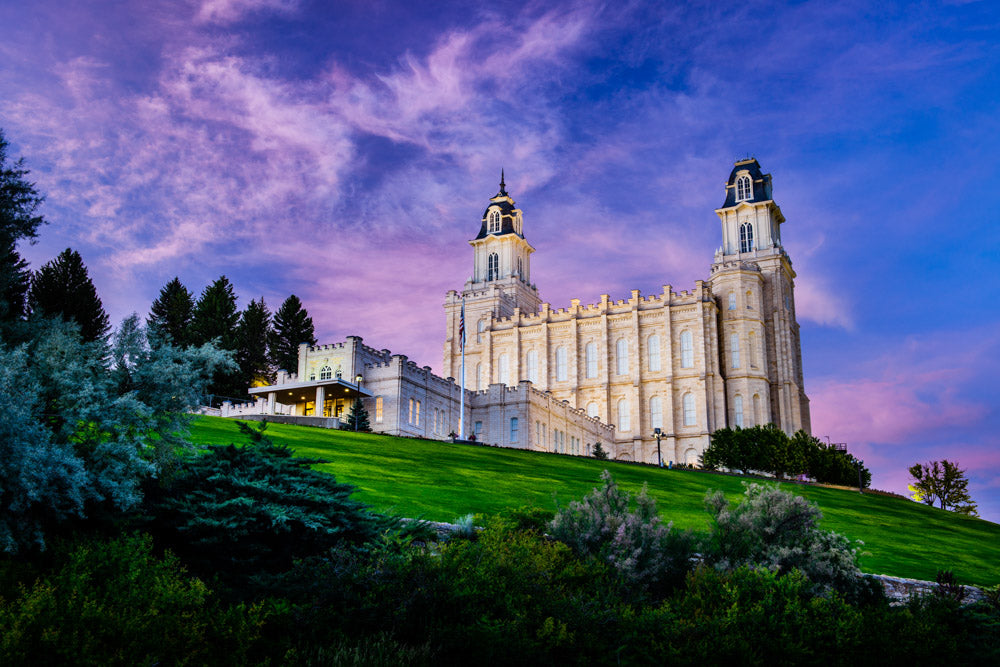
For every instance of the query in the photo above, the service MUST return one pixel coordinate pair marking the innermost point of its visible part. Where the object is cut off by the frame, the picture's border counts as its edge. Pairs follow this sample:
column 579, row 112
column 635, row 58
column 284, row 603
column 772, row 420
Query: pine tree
column 252, row 336
column 292, row 325
column 62, row 288
column 19, row 202
column 215, row 319
column 171, row 315
column 599, row 452
column 357, row 419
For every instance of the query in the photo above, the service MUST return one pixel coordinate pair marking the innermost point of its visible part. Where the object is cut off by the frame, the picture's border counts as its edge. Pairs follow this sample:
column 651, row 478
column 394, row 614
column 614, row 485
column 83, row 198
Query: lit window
column 690, row 418
column 744, row 188
column 738, row 410
column 493, row 266
column 621, row 357
column 325, row 373
column 687, row 350
column 503, row 369
column 746, row 237
column 752, row 349
column 734, row 350
column 732, row 301
column 531, row 361
column 653, row 346
column 494, row 222
column 378, row 409
column 623, row 420
column 513, row 429
column 416, row 415
column 410, row 420
column 655, row 412
column 561, row 365
column 592, row 410
column 591, row 360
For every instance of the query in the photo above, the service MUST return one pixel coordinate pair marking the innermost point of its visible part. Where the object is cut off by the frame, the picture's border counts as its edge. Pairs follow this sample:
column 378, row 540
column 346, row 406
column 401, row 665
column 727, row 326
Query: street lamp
column 658, row 434
column 357, row 416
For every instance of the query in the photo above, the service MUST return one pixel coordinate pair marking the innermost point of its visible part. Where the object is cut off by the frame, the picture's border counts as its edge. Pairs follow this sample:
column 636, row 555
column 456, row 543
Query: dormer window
column 494, row 226
column 744, row 188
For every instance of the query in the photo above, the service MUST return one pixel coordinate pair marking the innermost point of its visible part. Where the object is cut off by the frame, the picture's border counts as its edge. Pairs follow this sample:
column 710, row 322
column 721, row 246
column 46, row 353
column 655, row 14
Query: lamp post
column 658, row 433
column 357, row 384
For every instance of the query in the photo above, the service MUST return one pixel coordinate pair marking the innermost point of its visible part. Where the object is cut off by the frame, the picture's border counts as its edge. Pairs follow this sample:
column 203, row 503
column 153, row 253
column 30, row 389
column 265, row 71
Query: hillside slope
column 441, row 481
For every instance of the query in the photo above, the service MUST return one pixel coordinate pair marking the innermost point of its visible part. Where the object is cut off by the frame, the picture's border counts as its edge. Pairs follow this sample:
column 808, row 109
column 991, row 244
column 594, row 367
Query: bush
column 117, row 603
column 779, row 531
column 645, row 552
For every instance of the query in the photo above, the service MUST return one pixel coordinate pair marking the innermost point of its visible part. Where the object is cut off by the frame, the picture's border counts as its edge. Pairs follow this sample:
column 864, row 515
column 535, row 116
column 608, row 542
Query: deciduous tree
column 942, row 482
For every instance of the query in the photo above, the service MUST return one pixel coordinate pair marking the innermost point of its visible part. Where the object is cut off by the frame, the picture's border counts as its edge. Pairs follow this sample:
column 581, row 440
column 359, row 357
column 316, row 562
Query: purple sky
column 346, row 155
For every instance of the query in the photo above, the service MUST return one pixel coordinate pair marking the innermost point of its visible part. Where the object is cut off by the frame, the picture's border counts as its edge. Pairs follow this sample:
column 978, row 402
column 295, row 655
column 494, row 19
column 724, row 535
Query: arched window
column 479, row 377
column 732, row 301
column 378, row 409
column 746, row 237
column 690, row 417
column 493, row 266
column 687, row 350
column 325, row 373
column 623, row 420
column 480, row 328
column 655, row 412
column 503, row 369
column 756, row 410
column 744, row 188
column 494, row 222
column 621, row 357
column 752, row 349
column 591, row 360
column 561, row 365
column 531, row 361
column 592, row 410
column 734, row 349
column 738, row 410
column 653, row 349
column 749, row 300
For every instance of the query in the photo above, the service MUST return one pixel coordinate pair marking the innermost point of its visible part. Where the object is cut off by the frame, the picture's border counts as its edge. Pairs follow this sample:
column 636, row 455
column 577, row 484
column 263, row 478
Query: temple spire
column 503, row 191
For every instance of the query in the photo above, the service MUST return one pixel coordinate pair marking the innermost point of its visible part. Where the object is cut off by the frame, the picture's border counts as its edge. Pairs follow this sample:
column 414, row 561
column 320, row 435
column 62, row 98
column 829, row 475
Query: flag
column 461, row 326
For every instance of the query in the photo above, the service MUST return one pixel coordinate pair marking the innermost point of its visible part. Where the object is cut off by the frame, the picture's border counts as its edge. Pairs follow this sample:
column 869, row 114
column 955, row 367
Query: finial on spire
column 502, row 184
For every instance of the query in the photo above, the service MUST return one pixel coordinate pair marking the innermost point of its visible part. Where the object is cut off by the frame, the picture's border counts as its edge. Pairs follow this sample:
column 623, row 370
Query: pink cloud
column 227, row 11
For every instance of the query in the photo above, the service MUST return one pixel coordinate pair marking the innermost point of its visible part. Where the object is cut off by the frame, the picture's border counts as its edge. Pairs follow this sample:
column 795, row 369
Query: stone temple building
column 683, row 364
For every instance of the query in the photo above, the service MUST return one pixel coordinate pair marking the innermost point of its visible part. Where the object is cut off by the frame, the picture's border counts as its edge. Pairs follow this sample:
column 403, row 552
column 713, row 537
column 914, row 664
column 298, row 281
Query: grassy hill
column 441, row 481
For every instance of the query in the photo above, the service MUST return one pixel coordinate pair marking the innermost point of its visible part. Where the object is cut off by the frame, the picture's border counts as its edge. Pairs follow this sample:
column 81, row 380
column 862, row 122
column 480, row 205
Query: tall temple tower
column 753, row 283
column 500, row 286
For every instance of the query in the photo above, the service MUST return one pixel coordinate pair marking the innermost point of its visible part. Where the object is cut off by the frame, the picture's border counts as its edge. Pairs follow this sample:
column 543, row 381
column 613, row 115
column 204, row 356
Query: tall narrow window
column 494, row 222
column 513, row 429
column 653, row 349
column 744, row 188
column 623, row 417
column 690, row 417
column 591, row 360
column 520, row 269
column 477, row 430
column 752, row 349
column 687, row 350
column 480, row 328
column 410, row 419
column 749, row 300
column 416, row 415
column 378, row 409
column 592, row 410
column 757, row 418
column 655, row 412
column 621, row 357
column 746, row 237
column 479, row 377
column 503, row 369
column 734, row 350
column 738, row 410
column 732, row 301
column 531, row 361
column 561, row 365
column 538, row 432
column 493, row 266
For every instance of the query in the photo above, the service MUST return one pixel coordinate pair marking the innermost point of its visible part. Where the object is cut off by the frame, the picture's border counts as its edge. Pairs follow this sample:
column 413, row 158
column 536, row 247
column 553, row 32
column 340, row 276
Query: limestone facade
column 726, row 353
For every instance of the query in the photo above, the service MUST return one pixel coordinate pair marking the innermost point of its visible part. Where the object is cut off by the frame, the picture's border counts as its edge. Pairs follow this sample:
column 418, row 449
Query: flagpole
column 461, row 388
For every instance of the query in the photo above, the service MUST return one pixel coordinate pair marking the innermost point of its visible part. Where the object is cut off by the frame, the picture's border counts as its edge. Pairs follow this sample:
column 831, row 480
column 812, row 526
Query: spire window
column 746, row 237
column 744, row 188
column 494, row 222
column 493, row 266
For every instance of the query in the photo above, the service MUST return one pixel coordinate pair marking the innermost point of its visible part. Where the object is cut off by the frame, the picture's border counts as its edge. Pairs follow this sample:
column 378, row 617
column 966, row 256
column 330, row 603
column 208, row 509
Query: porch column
column 270, row 402
column 320, row 399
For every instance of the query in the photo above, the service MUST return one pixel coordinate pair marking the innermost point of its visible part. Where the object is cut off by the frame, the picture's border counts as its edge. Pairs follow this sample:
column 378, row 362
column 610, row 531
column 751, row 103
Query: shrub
column 635, row 542
column 779, row 531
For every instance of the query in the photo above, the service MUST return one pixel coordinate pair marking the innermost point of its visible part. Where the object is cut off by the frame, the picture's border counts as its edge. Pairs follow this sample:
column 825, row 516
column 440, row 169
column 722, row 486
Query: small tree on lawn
column 358, row 417
column 942, row 481
column 599, row 452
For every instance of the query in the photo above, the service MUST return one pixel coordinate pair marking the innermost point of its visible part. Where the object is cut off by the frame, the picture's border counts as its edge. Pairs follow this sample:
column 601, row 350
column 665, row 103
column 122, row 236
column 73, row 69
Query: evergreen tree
column 599, row 452
column 62, row 288
column 215, row 315
column 19, row 202
column 357, row 419
column 171, row 315
column 292, row 325
column 252, row 336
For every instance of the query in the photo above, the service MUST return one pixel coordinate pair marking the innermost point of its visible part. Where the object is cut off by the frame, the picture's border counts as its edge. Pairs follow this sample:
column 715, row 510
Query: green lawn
column 442, row 481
